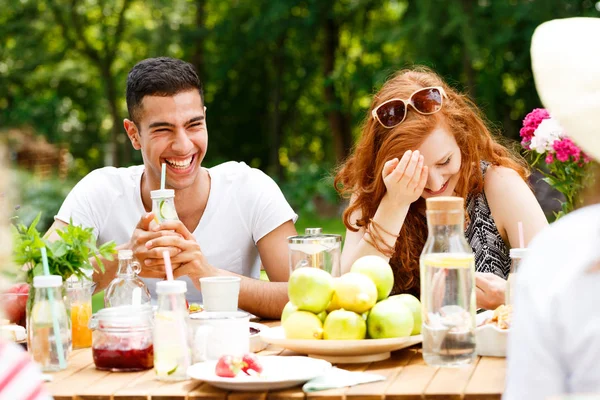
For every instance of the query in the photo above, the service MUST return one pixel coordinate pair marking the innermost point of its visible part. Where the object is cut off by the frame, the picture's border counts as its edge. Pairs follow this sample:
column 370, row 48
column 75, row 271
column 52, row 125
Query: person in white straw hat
column 554, row 343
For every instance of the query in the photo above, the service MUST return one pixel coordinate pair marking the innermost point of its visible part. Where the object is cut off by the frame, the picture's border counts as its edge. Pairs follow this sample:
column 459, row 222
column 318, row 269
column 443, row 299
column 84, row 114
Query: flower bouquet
column 554, row 154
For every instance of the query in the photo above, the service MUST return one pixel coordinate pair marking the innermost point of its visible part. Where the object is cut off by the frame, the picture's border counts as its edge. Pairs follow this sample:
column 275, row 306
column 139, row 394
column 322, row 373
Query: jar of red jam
column 122, row 338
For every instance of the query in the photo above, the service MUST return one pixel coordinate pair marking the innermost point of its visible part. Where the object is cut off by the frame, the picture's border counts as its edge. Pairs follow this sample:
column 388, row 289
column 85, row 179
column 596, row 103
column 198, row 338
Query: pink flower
column 549, row 158
column 530, row 124
column 565, row 149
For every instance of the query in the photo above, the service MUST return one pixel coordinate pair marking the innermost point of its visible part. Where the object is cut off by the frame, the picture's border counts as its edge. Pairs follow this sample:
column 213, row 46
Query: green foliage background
column 287, row 82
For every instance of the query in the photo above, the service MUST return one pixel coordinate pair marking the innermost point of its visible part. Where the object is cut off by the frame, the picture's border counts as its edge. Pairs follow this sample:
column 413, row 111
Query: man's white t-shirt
column 244, row 205
column 554, row 343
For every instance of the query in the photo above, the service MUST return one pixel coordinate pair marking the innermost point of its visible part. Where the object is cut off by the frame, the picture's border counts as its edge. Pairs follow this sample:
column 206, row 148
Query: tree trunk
column 467, row 7
column 197, row 57
column 111, row 96
column 276, row 125
column 339, row 122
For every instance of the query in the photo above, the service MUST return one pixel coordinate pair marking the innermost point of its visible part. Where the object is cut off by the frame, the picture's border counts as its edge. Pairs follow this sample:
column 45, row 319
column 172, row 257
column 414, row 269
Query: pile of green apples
column 354, row 306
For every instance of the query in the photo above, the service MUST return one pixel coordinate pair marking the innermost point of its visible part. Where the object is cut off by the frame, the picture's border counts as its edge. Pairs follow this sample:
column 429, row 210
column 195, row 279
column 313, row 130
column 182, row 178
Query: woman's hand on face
column 406, row 178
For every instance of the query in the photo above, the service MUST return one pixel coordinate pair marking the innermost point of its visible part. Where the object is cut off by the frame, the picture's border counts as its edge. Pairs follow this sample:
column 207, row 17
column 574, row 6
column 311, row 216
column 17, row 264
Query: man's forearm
column 263, row 299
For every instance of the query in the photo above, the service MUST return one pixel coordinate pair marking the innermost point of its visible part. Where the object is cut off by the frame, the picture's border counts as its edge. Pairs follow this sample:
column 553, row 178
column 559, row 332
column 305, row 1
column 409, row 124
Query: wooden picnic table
column 408, row 377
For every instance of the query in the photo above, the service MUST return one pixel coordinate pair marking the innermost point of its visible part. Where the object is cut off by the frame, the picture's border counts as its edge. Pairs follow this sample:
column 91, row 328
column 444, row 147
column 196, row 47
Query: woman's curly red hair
column 360, row 175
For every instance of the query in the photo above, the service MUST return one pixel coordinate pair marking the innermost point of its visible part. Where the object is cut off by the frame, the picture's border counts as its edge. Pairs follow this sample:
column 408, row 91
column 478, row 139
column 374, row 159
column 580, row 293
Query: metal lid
column 47, row 281
column 171, row 287
column 314, row 241
column 315, row 236
column 162, row 194
column 122, row 317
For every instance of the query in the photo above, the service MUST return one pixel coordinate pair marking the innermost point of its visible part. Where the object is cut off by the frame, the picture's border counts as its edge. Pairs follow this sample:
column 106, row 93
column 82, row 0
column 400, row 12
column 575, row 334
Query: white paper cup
column 220, row 293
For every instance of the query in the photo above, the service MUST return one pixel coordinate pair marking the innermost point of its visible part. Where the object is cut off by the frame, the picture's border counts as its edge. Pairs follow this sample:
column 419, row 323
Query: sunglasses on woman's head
column 425, row 101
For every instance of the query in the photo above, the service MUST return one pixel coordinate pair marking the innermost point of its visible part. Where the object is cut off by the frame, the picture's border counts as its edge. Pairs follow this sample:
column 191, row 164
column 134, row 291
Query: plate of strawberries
column 258, row 373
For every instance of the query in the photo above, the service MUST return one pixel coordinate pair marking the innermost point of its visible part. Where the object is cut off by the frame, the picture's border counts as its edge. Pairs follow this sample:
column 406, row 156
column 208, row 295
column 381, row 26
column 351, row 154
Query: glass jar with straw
column 163, row 201
column 172, row 354
column 49, row 330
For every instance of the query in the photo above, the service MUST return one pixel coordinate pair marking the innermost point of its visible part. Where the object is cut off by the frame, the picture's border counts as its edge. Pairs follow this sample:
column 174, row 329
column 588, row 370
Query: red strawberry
column 228, row 366
column 250, row 362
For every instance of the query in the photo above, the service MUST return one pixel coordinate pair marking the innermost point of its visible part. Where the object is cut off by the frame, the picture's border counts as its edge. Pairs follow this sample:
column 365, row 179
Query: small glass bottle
column 516, row 256
column 163, row 205
column 127, row 288
column 79, row 294
column 447, row 286
column 50, row 340
column 172, row 353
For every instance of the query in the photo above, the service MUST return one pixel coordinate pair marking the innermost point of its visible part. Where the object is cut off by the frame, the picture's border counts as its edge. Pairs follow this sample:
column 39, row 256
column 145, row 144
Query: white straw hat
column 565, row 58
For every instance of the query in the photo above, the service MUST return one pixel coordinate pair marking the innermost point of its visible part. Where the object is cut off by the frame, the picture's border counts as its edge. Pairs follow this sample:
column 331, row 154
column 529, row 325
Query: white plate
column 341, row 351
column 278, row 373
column 256, row 343
column 490, row 340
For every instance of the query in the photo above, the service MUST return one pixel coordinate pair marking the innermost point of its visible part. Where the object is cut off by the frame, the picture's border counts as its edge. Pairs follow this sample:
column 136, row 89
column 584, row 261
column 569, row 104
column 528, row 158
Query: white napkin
column 337, row 378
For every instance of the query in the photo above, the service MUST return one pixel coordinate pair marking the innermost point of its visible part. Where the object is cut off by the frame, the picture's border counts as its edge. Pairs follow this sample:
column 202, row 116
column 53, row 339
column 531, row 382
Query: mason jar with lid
column 122, row 338
column 163, row 205
column 315, row 249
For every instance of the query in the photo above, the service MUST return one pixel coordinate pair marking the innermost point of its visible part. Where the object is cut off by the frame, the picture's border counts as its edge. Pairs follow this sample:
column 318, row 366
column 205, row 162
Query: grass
column 329, row 226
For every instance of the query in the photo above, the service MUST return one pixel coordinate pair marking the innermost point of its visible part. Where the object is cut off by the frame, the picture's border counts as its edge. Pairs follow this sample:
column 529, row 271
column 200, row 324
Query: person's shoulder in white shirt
column 104, row 197
column 552, row 344
column 257, row 196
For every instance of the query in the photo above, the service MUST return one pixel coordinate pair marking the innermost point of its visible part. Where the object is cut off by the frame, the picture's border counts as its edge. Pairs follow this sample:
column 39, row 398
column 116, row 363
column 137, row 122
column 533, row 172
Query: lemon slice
column 449, row 260
column 165, row 367
column 167, row 211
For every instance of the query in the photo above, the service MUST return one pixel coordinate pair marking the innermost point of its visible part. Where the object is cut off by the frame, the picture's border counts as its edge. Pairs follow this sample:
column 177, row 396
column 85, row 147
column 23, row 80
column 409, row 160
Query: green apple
column 344, row 325
column 303, row 325
column 355, row 292
column 322, row 316
column 415, row 307
column 287, row 310
column 379, row 271
column 389, row 319
column 310, row 289
column 333, row 304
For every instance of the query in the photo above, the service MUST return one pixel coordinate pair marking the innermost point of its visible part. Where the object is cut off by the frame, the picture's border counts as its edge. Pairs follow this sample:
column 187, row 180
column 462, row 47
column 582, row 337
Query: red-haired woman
column 422, row 139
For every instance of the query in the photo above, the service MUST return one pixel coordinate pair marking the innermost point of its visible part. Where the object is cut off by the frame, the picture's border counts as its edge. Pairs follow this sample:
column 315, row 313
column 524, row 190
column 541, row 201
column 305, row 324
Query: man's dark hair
column 161, row 76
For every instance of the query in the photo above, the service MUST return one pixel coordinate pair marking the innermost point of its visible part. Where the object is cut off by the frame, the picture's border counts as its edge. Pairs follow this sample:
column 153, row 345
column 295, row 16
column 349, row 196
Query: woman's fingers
column 411, row 167
column 389, row 166
column 398, row 172
column 416, row 177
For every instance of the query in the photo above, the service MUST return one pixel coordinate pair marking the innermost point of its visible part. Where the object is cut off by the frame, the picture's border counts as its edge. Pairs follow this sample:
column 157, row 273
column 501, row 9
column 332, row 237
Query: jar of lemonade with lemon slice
column 163, row 205
column 172, row 353
column 447, row 286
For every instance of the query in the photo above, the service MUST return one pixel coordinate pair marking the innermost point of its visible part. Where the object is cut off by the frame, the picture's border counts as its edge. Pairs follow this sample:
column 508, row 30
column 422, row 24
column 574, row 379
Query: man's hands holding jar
column 406, row 178
column 186, row 255
column 152, row 262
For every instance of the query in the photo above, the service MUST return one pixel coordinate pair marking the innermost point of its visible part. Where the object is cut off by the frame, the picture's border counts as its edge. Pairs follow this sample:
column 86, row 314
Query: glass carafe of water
column 447, row 286
column 127, row 288
column 316, row 250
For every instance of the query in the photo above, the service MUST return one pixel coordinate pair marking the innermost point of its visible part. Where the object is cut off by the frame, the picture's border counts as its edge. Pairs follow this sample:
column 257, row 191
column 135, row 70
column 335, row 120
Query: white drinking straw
column 57, row 336
column 163, row 174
